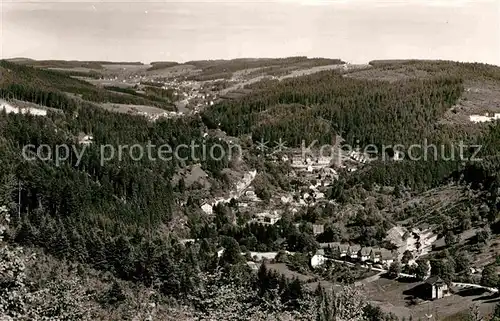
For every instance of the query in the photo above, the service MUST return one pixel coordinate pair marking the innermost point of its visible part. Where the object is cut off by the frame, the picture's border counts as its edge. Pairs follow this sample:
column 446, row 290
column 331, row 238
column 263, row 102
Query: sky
column 356, row 31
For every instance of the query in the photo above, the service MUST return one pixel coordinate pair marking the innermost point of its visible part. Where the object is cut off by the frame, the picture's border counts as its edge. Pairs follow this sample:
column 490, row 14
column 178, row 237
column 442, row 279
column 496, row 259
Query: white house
column 343, row 250
column 398, row 155
column 353, row 251
column 364, row 254
column 483, row 118
column 386, row 257
column 325, row 161
column 207, row 208
column 259, row 256
column 318, row 229
column 268, row 218
column 250, row 194
column 436, row 287
column 318, row 259
column 187, row 241
column 319, row 195
column 375, row 255
column 85, row 139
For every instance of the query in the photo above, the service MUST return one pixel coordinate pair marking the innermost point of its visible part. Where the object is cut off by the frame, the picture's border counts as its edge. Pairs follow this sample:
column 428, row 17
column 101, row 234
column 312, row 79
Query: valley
column 286, row 187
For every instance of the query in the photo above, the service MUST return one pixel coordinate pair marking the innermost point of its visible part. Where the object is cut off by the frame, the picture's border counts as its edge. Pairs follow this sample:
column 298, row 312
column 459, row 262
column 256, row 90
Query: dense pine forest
column 57, row 89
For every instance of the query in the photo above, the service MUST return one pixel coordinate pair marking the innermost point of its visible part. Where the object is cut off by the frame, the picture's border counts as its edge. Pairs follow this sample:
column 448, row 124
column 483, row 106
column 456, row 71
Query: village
column 407, row 244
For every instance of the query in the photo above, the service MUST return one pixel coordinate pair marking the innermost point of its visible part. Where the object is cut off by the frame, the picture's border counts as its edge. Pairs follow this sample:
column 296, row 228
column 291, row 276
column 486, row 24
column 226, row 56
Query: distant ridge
column 381, row 62
column 70, row 63
column 162, row 64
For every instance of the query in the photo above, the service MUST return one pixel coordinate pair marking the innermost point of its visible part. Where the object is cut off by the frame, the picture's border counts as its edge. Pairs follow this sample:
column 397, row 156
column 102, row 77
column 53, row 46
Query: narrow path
column 472, row 285
column 405, row 275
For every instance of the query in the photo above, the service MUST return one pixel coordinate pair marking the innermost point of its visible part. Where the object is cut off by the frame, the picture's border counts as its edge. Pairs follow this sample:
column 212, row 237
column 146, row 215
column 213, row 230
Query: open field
column 104, row 82
column 396, row 296
column 390, row 75
column 27, row 104
column 240, row 85
column 479, row 98
column 312, row 70
column 283, row 269
column 132, row 109
column 174, row 71
column 310, row 280
column 489, row 254
column 432, row 201
column 250, row 76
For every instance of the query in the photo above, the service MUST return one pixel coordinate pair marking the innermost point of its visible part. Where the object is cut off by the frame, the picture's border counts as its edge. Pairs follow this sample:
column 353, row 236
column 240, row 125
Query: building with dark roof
column 436, row 287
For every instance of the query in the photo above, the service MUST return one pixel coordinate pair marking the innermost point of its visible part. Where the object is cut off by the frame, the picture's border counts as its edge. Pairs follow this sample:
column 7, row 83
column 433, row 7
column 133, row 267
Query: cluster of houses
column 359, row 157
column 236, row 193
column 357, row 253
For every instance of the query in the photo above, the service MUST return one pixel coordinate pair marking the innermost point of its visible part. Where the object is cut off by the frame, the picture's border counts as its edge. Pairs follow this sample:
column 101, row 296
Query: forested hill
column 327, row 104
column 53, row 88
column 469, row 71
column 371, row 111
column 364, row 108
column 89, row 211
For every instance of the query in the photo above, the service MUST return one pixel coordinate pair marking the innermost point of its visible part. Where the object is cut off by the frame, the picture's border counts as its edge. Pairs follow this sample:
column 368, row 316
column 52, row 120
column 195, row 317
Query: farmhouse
column 260, row 256
column 386, row 257
column 353, row 251
column 318, row 229
column 436, row 288
column 356, row 252
column 364, row 253
column 330, row 245
column 375, row 255
column 379, row 255
column 343, row 250
column 268, row 218
column 207, row 208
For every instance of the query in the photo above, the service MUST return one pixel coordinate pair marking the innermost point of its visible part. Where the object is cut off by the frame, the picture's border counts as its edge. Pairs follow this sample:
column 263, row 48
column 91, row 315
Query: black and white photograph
column 260, row 160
